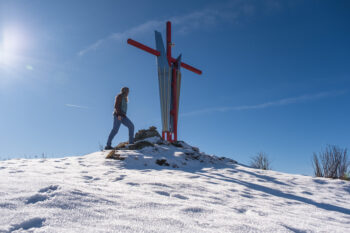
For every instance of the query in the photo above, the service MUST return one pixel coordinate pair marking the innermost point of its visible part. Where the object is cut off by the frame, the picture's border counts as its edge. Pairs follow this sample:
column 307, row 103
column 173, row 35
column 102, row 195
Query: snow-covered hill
column 189, row 192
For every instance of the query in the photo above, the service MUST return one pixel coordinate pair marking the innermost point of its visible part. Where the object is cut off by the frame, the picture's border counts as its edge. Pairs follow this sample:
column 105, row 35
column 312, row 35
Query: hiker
column 119, row 113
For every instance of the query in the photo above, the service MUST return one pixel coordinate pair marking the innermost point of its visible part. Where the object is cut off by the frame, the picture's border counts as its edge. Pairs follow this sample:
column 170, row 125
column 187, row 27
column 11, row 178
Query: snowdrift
column 164, row 188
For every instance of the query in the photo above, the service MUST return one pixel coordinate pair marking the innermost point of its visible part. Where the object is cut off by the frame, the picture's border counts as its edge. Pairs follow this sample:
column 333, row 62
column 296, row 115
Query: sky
column 276, row 76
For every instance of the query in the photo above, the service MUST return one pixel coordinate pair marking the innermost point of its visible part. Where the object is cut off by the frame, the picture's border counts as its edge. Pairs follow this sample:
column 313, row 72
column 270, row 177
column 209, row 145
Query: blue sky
column 276, row 75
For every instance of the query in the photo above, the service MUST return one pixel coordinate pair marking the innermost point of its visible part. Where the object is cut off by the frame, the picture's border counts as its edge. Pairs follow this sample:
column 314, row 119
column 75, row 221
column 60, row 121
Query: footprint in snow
column 88, row 177
column 36, row 198
column 42, row 195
column 306, row 192
column 109, row 172
column 211, row 182
column 49, row 189
column 180, row 196
column 162, row 193
column 160, row 185
column 246, row 196
column 133, row 184
column 240, row 210
column 28, row 224
column 7, row 205
column 193, row 177
column 194, row 210
column 119, row 178
column 257, row 212
column 16, row 171
column 320, row 181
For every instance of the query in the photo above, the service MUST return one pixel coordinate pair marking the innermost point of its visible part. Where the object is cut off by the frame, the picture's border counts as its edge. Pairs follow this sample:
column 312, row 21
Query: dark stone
column 139, row 145
column 162, row 162
column 192, row 155
column 113, row 155
column 177, row 144
column 121, row 145
column 136, row 146
column 147, row 133
column 189, row 153
column 196, row 149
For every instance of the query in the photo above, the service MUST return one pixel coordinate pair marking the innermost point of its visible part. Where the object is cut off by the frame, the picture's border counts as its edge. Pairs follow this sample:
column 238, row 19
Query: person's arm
column 118, row 107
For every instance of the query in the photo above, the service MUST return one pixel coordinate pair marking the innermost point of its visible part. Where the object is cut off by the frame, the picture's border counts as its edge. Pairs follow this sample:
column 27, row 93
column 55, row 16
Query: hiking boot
column 108, row 148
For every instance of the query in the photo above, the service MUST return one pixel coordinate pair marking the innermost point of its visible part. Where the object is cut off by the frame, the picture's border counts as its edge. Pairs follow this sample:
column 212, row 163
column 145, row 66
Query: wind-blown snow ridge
column 207, row 194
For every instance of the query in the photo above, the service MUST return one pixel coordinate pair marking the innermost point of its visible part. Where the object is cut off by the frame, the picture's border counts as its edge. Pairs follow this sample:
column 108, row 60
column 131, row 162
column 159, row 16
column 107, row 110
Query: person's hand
column 119, row 118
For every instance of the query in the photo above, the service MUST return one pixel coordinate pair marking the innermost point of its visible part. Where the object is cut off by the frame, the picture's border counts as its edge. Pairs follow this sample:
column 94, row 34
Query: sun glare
column 11, row 44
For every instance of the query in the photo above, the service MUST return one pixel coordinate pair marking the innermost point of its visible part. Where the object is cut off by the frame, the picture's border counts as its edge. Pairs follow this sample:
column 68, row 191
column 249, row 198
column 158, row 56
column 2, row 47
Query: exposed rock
column 113, row 155
column 196, row 149
column 121, row 145
column 136, row 146
column 162, row 162
column 147, row 133
column 139, row 145
column 177, row 143
column 151, row 138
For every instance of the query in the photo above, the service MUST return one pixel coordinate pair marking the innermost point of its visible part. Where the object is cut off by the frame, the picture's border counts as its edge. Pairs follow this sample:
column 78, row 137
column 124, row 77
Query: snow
column 202, row 193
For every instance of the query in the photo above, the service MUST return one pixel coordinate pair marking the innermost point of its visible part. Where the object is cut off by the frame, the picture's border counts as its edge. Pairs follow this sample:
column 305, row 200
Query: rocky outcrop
column 146, row 133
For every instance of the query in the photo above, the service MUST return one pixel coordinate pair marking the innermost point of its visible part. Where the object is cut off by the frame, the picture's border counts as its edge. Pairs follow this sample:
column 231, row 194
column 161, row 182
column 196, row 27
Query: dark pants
column 116, row 124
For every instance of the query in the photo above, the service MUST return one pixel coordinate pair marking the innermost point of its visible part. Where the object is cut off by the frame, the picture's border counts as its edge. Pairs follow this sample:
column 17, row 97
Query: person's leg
column 114, row 131
column 127, row 122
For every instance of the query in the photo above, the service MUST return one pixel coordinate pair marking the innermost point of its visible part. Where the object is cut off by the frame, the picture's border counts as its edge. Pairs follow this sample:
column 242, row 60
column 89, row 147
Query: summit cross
column 169, row 77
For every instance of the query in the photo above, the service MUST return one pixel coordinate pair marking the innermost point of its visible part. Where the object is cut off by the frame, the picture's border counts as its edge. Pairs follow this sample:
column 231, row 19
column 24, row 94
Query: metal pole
column 174, row 112
column 168, row 41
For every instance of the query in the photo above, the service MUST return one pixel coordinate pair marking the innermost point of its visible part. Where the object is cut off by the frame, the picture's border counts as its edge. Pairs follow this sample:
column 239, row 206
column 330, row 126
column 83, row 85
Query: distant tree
column 261, row 161
column 332, row 162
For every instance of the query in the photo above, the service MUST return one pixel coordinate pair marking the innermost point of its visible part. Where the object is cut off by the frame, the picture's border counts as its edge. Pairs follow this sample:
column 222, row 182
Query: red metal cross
column 172, row 62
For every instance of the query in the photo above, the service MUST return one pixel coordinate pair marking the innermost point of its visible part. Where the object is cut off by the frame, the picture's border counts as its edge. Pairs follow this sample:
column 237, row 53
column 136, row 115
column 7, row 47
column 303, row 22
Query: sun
column 11, row 44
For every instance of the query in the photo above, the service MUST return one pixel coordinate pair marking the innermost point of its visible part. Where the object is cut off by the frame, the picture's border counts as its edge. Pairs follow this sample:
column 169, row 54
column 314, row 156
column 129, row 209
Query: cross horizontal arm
column 143, row 47
column 157, row 53
column 188, row 67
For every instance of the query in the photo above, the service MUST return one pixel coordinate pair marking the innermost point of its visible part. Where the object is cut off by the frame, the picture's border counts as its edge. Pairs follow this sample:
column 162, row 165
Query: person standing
column 119, row 114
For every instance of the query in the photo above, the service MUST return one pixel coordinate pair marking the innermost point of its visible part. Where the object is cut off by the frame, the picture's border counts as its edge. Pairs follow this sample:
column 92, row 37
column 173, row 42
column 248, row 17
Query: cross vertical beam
column 168, row 41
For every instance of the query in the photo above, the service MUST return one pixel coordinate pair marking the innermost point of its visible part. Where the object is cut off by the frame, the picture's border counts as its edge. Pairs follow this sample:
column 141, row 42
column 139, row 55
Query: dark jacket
column 118, row 110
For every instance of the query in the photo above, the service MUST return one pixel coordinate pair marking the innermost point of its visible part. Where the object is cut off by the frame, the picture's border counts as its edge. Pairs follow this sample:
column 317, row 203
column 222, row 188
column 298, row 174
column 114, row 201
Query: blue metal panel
column 164, row 78
column 162, row 60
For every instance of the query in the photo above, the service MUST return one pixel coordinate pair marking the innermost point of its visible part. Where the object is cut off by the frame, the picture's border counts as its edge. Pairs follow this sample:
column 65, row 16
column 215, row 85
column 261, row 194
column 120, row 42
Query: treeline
column 332, row 162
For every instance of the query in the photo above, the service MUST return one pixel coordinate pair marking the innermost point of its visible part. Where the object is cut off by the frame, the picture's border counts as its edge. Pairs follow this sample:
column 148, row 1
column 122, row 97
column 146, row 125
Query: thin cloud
column 212, row 16
column 119, row 36
column 76, row 106
column 281, row 102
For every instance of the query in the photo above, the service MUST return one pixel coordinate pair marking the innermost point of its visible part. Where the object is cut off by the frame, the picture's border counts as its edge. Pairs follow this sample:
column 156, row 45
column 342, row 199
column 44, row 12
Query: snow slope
column 201, row 194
